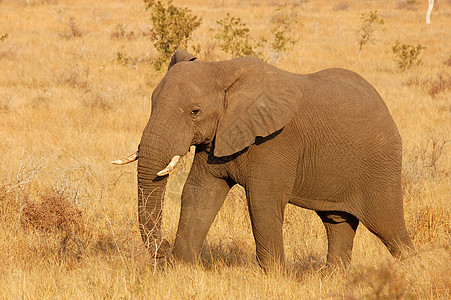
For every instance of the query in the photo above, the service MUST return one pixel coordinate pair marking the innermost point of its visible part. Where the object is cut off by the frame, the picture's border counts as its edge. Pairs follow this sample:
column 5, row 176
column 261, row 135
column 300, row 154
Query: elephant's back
column 341, row 86
column 348, row 141
column 342, row 97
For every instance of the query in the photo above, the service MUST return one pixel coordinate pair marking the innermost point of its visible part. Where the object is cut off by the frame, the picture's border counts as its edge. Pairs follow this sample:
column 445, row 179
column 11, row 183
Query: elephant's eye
column 195, row 112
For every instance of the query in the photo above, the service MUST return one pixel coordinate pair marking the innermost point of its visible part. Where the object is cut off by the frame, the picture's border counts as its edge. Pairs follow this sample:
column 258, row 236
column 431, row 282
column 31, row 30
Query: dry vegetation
column 75, row 85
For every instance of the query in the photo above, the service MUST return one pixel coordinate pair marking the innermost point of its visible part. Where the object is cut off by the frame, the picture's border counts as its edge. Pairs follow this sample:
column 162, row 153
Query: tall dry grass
column 75, row 93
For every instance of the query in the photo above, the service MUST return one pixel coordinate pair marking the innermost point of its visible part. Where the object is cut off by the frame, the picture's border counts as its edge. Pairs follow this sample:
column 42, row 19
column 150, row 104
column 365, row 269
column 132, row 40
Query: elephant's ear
column 259, row 100
column 180, row 55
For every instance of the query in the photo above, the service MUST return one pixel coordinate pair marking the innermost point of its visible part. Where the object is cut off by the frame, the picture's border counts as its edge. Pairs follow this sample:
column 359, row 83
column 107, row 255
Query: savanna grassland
column 75, row 84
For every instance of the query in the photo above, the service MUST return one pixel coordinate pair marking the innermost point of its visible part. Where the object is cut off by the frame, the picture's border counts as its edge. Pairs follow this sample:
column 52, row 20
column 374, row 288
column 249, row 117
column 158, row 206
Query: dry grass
column 69, row 104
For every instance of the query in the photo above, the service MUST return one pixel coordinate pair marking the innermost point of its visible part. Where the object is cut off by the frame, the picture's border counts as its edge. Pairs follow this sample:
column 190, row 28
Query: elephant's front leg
column 202, row 197
column 266, row 209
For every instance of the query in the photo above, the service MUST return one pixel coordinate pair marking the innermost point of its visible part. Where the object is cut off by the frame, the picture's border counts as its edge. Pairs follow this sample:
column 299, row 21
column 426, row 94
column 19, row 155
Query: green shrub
column 407, row 55
column 3, row 37
column 369, row 22
column 172, row 28
column 122, row 58
column 233, row 37
column 282, row 24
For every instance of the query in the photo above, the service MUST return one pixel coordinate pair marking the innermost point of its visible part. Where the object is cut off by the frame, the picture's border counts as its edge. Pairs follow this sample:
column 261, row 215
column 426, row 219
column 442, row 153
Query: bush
column 282, row 25
column 434, row 86
column 71, row 30
column 440, row 84
column 369, row 21
column 3, row 37
column 122, row 58
column 407, row 55
column 54, row 214
column 233, row 37
column 120, row 32
column 172, row 28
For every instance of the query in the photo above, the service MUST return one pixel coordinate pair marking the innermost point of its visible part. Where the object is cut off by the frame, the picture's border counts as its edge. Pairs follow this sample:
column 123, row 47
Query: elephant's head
column 222, row 104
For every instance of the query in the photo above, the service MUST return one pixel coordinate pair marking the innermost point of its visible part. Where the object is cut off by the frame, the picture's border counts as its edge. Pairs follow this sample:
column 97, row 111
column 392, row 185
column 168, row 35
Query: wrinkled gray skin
column 323, row 141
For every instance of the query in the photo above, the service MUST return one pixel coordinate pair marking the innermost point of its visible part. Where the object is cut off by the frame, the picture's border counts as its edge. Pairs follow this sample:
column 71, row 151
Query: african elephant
column 323, row 141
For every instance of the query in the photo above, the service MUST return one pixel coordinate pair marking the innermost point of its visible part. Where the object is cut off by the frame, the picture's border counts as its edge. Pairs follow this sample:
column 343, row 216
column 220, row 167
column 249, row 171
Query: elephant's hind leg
column 340, row 229
column 389, row 226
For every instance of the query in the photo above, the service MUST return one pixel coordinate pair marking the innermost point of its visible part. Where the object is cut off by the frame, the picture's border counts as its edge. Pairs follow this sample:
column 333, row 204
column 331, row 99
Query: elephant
column 323, row 141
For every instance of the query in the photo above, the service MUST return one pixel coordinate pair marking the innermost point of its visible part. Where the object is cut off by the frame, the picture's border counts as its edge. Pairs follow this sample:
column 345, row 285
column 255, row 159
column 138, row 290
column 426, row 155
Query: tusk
column 170, row 167
column 127, row 160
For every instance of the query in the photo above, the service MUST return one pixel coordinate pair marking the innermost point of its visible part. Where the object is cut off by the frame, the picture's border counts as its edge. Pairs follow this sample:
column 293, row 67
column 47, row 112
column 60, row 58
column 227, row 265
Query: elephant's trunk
column 150, row 199
column 156, row 150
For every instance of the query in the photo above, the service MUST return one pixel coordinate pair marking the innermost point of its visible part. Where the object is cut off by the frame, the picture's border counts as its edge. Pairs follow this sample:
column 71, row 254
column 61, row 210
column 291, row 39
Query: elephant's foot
column 400, row 247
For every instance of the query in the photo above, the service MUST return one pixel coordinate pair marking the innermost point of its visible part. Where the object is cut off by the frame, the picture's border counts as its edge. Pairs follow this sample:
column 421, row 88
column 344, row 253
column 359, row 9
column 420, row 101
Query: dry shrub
column 54, row 214
column 209, row 53
column 424, row 163
column 99, row 101
column 341, row 6
column 424, row 166
column 7, row 54
column 122, row 58
column 438, row 85
column 407, row 4
column 120, row 31
column 447, row 62
column 6, row 49
column 60, row 220
column 71, row 30
column 74, row 76
column 432, row 153
column 432, row 85
column 379, row 283
column 429, row 224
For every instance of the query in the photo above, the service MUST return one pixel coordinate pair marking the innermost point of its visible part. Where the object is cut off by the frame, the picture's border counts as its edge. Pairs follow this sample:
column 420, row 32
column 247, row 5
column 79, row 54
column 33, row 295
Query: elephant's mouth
column 199, row 139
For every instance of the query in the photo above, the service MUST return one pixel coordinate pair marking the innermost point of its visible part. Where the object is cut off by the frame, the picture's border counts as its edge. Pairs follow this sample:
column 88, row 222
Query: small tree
column 172, row 28
column 284, row 34
column 369, row 22
column 282, row 25
column 407, row 55
column 234, row 37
